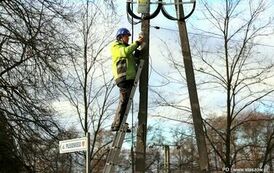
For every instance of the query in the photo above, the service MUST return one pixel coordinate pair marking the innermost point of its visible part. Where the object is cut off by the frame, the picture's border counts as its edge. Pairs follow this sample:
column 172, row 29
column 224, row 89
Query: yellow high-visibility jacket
column 123, row 62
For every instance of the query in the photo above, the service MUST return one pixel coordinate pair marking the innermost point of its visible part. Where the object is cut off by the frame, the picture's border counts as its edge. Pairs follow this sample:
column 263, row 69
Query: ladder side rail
column 113, row 156
column 115, row 150
column 116, row 145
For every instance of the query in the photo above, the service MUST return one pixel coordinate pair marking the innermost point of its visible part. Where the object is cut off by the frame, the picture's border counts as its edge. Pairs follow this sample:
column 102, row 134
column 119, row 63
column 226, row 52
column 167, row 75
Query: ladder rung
column 115, row 147
column 110, row 163
column 122, row 131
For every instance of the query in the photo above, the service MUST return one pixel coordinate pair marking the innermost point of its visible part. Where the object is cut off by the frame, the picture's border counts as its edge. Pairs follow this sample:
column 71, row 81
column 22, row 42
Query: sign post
column 77, row 144
column 88, row 153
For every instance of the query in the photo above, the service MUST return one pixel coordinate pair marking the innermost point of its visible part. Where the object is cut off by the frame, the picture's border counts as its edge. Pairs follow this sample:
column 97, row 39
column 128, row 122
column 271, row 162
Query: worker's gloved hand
column 140, row 39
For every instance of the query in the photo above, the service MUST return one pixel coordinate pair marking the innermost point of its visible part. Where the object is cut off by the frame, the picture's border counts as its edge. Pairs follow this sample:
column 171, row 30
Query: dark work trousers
column 125, row 89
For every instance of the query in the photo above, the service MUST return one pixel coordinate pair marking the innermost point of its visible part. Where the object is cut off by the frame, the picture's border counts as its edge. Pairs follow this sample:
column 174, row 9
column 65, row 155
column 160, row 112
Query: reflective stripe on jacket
column 123, row 62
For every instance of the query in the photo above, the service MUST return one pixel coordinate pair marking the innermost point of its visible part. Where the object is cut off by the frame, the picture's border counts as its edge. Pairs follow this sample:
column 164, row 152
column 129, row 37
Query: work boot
column 116, row 128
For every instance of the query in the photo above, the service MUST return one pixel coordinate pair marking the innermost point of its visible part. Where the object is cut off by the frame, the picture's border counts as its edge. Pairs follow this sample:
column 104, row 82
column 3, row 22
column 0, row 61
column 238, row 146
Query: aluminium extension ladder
column 113, row 156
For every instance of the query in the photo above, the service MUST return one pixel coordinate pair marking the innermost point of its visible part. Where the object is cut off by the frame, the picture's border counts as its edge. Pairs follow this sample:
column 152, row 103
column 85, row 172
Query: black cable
column 207, row 35
column 131, row 21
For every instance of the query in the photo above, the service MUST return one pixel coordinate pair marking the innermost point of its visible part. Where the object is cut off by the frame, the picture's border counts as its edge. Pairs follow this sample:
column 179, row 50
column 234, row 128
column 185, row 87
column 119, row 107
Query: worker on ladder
column 124, row 70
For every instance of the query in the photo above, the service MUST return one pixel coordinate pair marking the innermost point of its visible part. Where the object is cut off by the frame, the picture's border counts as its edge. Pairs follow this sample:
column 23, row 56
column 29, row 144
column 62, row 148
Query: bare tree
column 230, row 63
column 32, row 49
column 185, row 152
column 87, row 81
column 244, row 76
column 251, row 143
column 257, row 141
